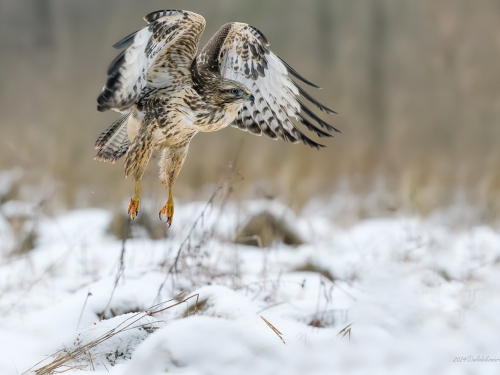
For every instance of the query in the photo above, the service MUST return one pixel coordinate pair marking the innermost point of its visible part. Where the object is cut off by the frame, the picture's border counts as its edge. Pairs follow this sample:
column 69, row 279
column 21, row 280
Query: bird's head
column 230, row 92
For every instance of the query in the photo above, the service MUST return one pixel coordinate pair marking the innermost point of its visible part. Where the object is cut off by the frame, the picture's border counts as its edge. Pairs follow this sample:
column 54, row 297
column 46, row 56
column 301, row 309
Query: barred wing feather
column 242, row 54
column 159, row 55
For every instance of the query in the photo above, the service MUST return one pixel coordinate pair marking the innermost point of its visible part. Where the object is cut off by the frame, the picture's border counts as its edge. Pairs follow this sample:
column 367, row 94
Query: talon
column 168, row 212
column 168, row 216
column 133, row 207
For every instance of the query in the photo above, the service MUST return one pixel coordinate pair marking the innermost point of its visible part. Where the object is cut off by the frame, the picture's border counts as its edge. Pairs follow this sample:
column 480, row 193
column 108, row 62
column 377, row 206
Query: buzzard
column 167, row 93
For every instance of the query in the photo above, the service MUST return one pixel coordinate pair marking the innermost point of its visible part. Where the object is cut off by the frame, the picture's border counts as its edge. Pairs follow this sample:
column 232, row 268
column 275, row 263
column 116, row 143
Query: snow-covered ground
column 382, row 296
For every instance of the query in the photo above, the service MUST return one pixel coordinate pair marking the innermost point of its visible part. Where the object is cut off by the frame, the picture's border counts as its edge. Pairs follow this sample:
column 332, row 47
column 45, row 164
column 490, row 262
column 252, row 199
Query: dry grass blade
column 345, row 331
column 222, row 192
column 62, row 361
column 275, row 330
column 83, row 308
column 119, row 274
column 70, row 368
column 89, row 356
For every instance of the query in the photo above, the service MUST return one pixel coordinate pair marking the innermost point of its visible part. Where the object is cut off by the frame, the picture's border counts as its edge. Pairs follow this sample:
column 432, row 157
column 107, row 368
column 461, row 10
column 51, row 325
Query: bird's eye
column 234, row 91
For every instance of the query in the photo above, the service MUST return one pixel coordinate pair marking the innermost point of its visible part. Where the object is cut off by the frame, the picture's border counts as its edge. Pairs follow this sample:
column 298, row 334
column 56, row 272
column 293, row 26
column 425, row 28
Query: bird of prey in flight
column 167, row 93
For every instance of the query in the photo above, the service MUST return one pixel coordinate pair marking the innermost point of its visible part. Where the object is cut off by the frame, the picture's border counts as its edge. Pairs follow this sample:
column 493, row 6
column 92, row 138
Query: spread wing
column 159, row 55
column 240, row 52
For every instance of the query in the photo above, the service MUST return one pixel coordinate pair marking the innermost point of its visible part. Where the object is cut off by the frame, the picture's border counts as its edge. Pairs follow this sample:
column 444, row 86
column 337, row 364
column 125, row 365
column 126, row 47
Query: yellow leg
column 133, row 207
column 168, row 209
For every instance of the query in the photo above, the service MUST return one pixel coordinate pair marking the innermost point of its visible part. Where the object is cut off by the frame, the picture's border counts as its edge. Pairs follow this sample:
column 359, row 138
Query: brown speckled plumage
column 167, row 94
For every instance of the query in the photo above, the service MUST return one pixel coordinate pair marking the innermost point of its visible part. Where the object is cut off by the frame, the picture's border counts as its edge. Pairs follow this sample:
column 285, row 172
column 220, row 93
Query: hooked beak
column 250, row 96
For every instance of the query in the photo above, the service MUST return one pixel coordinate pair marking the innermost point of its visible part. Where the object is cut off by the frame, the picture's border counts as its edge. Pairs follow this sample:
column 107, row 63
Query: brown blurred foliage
column 415, row 83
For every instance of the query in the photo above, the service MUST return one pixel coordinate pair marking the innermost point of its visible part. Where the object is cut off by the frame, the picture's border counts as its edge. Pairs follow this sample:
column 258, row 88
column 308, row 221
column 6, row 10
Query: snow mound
column 207, row 345
column 383, row 296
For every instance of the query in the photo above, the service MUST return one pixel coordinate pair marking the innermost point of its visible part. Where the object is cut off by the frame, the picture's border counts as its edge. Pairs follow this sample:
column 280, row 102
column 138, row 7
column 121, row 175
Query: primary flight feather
column 167, row 94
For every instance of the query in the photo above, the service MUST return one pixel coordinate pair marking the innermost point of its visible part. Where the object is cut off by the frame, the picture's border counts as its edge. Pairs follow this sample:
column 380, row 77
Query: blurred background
column 415, row 83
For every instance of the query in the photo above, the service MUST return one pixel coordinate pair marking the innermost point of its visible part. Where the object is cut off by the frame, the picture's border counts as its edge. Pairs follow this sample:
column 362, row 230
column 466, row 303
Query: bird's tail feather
column 113, row 143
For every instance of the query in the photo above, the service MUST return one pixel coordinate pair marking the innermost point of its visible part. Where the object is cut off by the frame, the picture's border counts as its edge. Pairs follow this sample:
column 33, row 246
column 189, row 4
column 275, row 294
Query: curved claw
column 169, row 219
column 168, row 212
column 133, row 207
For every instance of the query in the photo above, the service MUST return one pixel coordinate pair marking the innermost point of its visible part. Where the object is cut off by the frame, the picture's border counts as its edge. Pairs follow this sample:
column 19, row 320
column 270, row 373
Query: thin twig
column 119, row 274
column 193, row 227
column 61, row 360
column 83, row 308
column 117, row 279
column 275, row 330
column 186, row 242
column 345, row 331
column 91, row 361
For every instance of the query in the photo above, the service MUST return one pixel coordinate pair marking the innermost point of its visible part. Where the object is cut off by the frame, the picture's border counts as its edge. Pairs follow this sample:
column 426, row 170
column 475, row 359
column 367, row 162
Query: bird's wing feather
column 113, row 143
column 241, row 52
column 159, row 55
